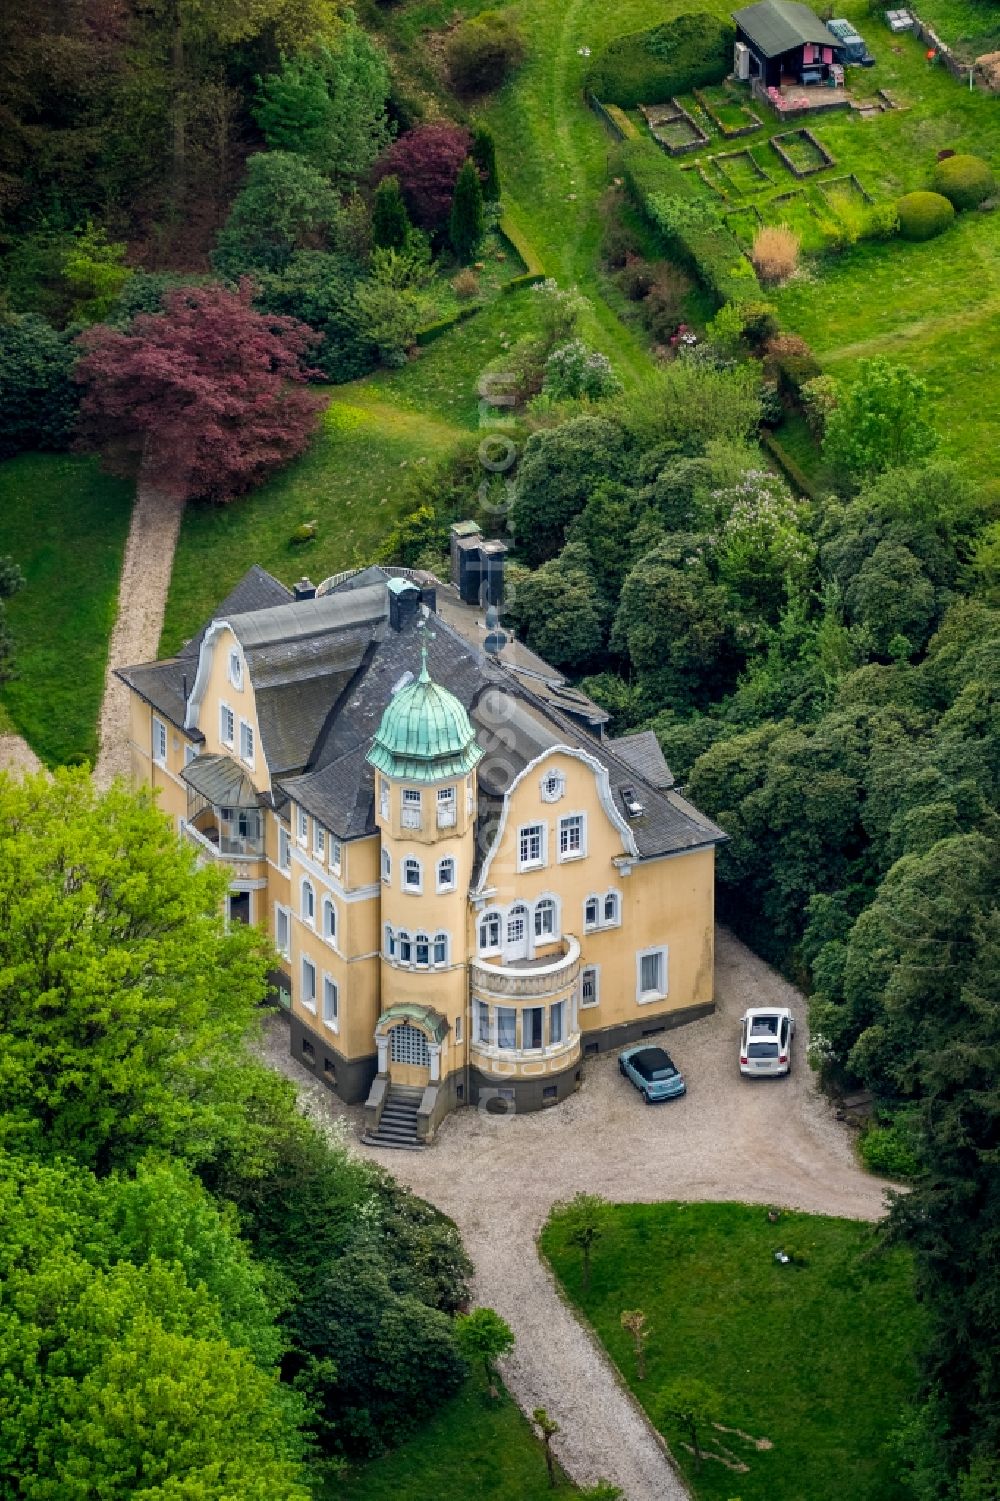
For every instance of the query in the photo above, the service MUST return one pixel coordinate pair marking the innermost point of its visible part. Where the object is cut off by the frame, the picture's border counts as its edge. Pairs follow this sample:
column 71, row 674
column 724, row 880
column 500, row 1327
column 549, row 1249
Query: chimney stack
column 304, row 589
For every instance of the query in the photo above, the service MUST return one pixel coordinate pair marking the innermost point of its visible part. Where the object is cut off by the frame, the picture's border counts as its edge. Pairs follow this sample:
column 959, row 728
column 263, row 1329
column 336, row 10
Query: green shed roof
column 777, row 26
column 425, row 734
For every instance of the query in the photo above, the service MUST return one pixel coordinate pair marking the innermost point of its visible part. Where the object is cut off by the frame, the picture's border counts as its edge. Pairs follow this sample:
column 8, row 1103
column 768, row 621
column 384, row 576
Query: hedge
column 692, row 227
column 433, row 331
column 788, row 465
column 647, row 67
column 964, row 180
column 923, row 215
column 517, row 242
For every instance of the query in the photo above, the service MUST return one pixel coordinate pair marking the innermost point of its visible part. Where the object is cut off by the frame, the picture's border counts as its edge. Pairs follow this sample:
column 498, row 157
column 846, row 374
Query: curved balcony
column 528, row 979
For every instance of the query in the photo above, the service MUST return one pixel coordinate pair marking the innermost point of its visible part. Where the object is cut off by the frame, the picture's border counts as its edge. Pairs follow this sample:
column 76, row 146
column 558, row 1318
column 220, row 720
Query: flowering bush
column 572, row 370
column 761, row 539
column 559, row 311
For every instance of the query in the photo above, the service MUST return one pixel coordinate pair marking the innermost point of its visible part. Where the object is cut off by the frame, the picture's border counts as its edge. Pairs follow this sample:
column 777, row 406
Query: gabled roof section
column 777, row 26
column 222, row 781
column 642, row 752
column 256, row 590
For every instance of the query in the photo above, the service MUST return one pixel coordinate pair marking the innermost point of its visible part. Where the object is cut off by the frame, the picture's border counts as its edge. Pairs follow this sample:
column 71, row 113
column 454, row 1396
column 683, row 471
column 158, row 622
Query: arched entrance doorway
column 408, row 1038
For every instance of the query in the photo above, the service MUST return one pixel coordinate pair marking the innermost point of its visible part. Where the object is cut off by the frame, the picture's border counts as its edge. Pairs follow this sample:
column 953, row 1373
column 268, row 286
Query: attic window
column 633, row 804
column 553, row 786
column 236, row 669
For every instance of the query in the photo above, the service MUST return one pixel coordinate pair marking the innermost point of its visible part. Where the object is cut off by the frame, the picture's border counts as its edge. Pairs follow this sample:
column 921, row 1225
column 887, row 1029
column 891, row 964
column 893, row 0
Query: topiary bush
column 482, row 53
column 964, row 180
column 923, row 215
column 647, row 67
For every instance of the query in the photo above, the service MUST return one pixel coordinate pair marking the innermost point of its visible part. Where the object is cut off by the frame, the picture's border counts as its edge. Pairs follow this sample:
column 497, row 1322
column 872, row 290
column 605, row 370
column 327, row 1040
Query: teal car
column 653, row 1072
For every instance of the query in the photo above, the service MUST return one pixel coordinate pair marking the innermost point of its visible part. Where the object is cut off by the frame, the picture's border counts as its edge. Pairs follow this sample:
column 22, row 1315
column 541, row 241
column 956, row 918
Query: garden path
column 762, row 1141
column 16, row 755
column 142, row 598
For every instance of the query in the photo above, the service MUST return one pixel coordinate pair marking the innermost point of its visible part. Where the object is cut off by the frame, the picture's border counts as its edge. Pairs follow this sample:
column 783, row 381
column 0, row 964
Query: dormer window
column 236, row 669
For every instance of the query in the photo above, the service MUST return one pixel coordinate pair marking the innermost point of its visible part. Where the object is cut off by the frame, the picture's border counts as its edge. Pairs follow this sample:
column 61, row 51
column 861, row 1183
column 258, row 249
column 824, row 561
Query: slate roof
column 324, row 671
column 777, row 26
column 221, row 780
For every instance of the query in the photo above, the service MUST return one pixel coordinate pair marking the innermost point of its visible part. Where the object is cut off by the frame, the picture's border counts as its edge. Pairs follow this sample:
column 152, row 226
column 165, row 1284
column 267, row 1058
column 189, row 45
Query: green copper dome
column 425, row 734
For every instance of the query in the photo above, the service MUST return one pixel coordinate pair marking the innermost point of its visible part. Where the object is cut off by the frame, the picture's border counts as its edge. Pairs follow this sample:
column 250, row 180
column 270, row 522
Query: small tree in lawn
column 634, row 1322
column 484, row 1335
column 694, row 1405
column 466, row 226
column 204, row 397
column 484, row 154
column 390, row 221
column 881, row 422
column 582, row 1218
column 548, row 1428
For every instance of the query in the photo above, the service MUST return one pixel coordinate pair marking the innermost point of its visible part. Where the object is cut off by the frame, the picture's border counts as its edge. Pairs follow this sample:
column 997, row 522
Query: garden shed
column 781, row 42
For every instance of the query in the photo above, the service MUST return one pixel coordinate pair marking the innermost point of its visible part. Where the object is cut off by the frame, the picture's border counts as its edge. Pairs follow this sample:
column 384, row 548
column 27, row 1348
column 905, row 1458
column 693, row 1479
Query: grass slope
column 818, row 1359
column 472, row 1447
column 65, row 524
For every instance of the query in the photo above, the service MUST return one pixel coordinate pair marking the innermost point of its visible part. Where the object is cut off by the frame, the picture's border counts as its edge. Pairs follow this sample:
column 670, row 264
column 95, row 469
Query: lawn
column 473, row 1447
column 818, row 1359
column 64, row 523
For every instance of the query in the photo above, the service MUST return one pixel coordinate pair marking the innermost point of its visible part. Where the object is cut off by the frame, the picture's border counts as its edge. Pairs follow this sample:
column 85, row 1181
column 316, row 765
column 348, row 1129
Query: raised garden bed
column 744, row 223
column 732, row 117
column 673, row 128
column 801, row 153
column 712, row 176
column 848, row 185
column 795, row 210
column 742, row 170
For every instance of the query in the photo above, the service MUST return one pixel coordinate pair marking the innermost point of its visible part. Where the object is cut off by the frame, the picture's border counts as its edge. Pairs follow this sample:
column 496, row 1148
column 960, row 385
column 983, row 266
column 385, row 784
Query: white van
column 766, row 1040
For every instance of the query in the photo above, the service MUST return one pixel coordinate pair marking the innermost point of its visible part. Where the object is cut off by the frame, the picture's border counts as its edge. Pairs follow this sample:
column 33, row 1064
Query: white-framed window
column 236, row 669
column 489, row 932
column 506, row 1027
column 308, row 907
column 612, row 909
column 412, row 803
column 468, row 794
column 440, row 949
column 284, row 849
column 246, row 742
column 189, row 754
column 458, row 1027
column 590, row 986
column 159, row 742
column 446, row 874
column 331, row 1002
column 572, row 836
column 336, row 855
column 517, row 924
column 319, row 841
column 302, row 826
column 482, row 1022
column 227, row 725
column 530, row 846
column 557, row 1023
column 404, row 945
column 545, row 918
column 553, row 786
column 383, row 797
column 445, row 807
column 329, row 920
column 282, row 930
column 413, row 876
column 422, row 950
column 386, row 866
column 390, row 941
column 603, row 911
column 592, row 913
column 650, row 975
column 532, row 1024
column 309, row 984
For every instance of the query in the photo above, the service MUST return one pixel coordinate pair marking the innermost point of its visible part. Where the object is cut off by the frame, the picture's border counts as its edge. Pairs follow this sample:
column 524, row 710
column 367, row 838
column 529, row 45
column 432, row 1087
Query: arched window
column 489, row 931
column 308, row 903
column 440, row 948
column 591, row 912
column 412, row 875
column 329, row 920
column 545, row 918
column 390, row 941
column 611, row 907
column 446, row 874
column 386, row 865
column 517, row 923
column 422, row 945
column 405, row 948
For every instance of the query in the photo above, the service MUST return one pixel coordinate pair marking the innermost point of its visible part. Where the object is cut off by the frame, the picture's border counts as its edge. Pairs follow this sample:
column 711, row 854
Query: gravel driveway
column 766, row 1141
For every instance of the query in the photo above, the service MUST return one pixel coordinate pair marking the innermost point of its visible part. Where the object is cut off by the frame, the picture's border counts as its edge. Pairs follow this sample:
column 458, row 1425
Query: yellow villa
column 469, row 886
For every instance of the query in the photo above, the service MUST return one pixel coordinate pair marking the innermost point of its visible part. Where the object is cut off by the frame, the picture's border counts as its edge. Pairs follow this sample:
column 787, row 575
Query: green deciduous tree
column 559, row 469
column 581, row 1219
column 329, row 105
column 484, row 1336
column 548, row 1428
column 882, row 421
column 465, row 227
column 561, row 611
column 285, row 205
column 694, row 1405
column 38, row 396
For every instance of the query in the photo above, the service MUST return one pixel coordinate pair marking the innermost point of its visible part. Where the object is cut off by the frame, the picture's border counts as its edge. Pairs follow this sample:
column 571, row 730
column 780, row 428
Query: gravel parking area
column 760, row 1140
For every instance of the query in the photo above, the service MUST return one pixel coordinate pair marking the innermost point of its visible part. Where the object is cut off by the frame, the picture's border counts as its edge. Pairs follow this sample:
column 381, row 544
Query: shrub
column 285, row 205
column 888, row 1150
column 318, row 289
column 636, row 278
column 789, row 360
column 427, row 162
column 662, row 309
column 38, row 397
column 390, row 221
column 881, row 221
column 818, row 397
column 465, row 284
column 484, row 154
column 480, row 54
column 964, row 180
column 775, row 253
column 619, row 243
column 465, row 228
column 646, row 67
column 573, row 371
column 923, row 215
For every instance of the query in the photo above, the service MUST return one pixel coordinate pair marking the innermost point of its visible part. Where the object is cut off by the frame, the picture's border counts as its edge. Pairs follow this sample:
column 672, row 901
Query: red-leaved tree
column 205, row 398
column 427, row 162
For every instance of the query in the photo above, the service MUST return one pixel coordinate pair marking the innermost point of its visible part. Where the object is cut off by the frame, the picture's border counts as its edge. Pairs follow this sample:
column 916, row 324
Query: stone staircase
column 398, row 1124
